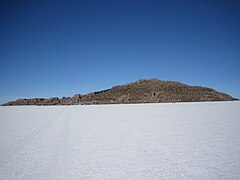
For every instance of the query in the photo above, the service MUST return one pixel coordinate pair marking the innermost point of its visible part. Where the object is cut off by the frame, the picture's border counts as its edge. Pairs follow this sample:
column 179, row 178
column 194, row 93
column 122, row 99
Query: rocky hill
column 142, row 91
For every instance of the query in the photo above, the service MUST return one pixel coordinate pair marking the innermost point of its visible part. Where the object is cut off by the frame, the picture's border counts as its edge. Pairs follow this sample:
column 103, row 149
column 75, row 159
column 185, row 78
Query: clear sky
column 60, row 48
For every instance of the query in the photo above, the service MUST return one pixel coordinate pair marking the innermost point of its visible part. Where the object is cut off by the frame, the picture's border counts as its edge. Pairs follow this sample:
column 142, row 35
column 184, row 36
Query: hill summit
column 141, row 91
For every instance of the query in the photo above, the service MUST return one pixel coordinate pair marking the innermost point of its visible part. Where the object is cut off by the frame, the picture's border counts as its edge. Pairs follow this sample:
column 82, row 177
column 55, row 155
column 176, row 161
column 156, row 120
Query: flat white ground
column 145, row 141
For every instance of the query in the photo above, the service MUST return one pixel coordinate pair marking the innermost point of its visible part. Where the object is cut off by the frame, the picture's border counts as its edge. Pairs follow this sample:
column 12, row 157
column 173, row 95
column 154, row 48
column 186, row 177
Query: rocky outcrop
column 142, row 91
column 77, row 98
column 66, row 101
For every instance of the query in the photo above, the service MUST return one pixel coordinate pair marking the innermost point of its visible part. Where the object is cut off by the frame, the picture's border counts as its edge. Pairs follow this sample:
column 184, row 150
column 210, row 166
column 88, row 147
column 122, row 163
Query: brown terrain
column 142, row 91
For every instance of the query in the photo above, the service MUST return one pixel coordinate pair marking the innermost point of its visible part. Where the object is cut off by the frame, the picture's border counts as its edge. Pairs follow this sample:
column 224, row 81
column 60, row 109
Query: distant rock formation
column 141, row 91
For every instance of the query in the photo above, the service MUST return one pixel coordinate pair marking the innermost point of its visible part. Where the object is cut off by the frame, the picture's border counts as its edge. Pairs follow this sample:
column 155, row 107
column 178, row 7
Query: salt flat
column 142, row 141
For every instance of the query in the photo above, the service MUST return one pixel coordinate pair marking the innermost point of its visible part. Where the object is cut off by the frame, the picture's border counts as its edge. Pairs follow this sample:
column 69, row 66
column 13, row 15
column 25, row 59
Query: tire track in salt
column 30, row 140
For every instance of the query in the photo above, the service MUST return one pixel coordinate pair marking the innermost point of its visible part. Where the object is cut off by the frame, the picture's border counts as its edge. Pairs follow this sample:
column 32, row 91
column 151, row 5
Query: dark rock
column 66, row 101
column 53, row 101
column 77, row 98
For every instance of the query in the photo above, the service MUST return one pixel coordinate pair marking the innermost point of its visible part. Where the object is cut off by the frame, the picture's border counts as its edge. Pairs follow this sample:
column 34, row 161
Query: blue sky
column 60, row 48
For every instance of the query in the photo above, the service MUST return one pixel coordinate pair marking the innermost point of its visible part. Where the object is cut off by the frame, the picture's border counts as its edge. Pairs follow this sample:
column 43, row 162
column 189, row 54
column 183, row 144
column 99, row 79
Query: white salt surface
column 146, row 141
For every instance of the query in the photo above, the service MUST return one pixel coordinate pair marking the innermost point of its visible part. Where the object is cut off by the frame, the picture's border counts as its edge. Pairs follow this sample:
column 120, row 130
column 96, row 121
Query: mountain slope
column 141, row 91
